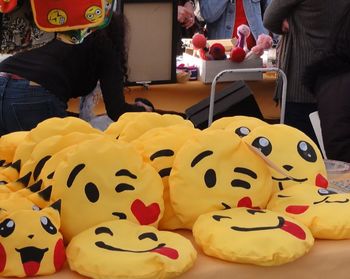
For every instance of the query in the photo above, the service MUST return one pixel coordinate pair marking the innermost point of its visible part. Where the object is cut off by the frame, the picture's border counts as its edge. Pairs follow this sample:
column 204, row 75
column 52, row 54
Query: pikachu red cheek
column 2, row 258
column 59, row 257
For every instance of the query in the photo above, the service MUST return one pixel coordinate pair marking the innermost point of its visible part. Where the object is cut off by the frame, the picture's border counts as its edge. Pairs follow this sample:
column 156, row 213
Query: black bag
column 235, row 99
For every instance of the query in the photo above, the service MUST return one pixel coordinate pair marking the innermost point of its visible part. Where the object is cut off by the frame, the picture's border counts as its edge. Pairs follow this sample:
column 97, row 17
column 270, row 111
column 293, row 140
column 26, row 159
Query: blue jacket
column 220, row 17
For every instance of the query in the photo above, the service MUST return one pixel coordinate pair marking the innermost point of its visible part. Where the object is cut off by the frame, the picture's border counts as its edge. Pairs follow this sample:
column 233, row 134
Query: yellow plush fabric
column 216, row 170
column 240, row 124
column 30, row 242
column 8, row 145
column 104, row 179
column 45, row 149
column 292, row 155
column 326, row 213
column 259, row 237
column 121, row 249
column 159, row 147
column 134, row 124
column 50, row 127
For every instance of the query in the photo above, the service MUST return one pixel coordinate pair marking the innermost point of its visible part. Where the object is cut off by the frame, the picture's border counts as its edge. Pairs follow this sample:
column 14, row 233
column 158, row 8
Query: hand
column 285, row 26
column 185, row 16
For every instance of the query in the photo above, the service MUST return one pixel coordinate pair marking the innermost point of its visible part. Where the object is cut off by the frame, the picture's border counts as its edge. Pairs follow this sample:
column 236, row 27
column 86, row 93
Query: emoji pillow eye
column 263, row 144
column 101, row 230
column 324, row 192
column 149, row 235
column 210, row 178
column 242, row 131
column 47, row 225
column 306, row 151
column 7, row 227
column 91, row 192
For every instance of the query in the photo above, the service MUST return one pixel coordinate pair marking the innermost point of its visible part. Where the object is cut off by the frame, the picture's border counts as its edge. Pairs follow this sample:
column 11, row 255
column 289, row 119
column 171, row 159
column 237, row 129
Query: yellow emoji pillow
column 159, row 147
column 254, row 236
column 30, row 242
column 292, row 155
column 50, row 127
column 8, row 146
column 122, row 249
column 106, row 179
column 136, row 124
column 216, row 170
column 326, row 213
column 240, row 124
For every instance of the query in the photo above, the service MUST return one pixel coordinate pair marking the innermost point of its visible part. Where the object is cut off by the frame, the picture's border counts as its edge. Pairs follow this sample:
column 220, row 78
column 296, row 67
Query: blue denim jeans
column 23, row 106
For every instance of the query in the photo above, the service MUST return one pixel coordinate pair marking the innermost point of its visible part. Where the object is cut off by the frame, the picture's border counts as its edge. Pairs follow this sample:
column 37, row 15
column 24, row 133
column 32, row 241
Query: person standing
column 305, row 26
column 329, row 80
column 224, row 16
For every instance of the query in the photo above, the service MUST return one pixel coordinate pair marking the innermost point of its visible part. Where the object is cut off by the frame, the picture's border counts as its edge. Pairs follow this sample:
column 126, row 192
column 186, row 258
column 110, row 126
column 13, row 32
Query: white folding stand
column 249, row 70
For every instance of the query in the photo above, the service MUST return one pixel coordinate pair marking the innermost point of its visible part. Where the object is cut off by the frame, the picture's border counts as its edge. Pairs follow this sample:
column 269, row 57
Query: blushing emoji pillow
column 325, row 212
column 216, row 170
column 159, row 147
column 105, row 179
column 122, row 249
column 294, row 156
column 30, row 242
column 240, row 124
column 255, row 236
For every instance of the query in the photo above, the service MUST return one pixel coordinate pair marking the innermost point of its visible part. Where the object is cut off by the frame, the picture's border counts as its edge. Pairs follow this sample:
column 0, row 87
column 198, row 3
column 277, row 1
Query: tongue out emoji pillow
column 216, row 170
column 122, row 249
column 325, row 212
column 254, row 236
column 30, row 242
column 293, row 156
column 105, row 179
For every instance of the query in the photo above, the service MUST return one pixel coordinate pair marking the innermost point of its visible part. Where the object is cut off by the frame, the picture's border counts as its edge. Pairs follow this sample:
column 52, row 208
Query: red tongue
column 293, row 229
column 31, row 268
column 245, row 202
column 168, row 252
column 297, row 209
column 321, row 181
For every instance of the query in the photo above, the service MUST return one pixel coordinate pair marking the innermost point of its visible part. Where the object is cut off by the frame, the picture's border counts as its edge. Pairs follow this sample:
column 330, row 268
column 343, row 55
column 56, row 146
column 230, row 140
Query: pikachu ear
column 41, row 198
column 11, row 173
column 54, row 212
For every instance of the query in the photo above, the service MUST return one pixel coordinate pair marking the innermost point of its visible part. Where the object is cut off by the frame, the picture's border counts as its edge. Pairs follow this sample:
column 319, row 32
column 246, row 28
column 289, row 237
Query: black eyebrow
column 200, row 157
column 39, row 166
column 74, row 174
column 149, row 235
column 100, row 230
column 162, row 153
column 246, row 171
column 124, row 172
column 219, row 217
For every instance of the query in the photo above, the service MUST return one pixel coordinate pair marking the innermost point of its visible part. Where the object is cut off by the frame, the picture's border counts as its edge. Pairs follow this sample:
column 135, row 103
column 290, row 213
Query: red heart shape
column 145, row 214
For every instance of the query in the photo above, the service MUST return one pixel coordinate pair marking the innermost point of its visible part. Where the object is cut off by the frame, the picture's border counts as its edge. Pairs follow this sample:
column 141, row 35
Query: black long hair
column 336, row 58
column 116, row 34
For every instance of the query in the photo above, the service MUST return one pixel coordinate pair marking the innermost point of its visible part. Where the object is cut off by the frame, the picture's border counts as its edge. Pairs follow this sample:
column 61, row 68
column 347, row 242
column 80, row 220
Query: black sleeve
column 112, row 87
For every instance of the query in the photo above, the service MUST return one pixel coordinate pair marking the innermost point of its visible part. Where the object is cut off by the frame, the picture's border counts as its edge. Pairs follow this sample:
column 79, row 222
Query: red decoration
column 199, row 41
column 217, row 51
column 237, row 54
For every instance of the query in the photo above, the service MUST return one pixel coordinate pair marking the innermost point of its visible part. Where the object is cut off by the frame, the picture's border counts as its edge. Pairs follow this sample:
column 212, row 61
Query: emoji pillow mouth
column 31, row 258
column 255, row 236
column 122, row 249
column 318, row 208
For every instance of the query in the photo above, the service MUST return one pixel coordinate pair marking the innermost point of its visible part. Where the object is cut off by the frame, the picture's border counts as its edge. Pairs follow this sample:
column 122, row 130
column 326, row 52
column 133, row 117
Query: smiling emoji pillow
column 216, row 170
column 106, row 179
column 254, row 236
column 292, row 155
column 325, row 212
column 30, row 242
column 122, row 249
